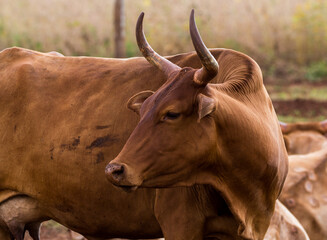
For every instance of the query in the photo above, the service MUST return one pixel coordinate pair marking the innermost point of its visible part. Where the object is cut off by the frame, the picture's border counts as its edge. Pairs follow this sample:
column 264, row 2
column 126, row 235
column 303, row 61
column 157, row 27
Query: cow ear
column 135, row 102
column 206, row 105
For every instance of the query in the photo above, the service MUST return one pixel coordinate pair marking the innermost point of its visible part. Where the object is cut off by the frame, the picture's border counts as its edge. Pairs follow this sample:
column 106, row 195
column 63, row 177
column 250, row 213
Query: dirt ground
column 304, row 107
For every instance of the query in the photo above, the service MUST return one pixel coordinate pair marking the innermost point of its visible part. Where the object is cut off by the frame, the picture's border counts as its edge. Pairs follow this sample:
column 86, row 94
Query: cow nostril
column 115, row 170
column 119, row 170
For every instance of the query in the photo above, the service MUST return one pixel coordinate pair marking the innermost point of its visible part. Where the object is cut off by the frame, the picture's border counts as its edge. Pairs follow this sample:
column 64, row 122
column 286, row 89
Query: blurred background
column 288, row 38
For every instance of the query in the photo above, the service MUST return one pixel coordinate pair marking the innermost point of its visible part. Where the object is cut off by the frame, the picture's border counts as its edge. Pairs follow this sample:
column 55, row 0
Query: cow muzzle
column 120, row 175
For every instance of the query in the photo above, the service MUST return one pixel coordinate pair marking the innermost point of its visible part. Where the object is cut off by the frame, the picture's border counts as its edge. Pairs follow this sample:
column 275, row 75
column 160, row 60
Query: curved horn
column 151, row 56
column 209, row 63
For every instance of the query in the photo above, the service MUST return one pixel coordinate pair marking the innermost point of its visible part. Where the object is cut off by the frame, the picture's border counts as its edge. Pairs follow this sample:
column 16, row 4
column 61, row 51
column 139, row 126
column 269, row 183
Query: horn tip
column 192, row 15
column 141, row 15
column 139, row 23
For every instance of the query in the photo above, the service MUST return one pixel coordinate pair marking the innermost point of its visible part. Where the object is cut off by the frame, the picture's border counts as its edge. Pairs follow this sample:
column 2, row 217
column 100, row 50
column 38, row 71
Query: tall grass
column 285, row 37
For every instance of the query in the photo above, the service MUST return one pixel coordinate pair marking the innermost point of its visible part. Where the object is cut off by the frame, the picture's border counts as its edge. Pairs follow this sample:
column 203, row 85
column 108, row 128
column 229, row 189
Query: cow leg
column 17, row 230
column 178, row 216
column 21, row 213
column 34, row 230
column 5, row 234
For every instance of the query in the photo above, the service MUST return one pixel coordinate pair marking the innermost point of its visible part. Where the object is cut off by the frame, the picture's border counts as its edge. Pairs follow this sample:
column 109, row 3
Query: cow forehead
column 178, row 88
column 179, row 80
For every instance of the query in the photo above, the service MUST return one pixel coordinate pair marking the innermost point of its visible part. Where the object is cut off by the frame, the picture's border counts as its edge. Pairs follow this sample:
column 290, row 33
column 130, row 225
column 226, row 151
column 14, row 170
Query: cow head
column 303, row 138
column 174, row 120
column 191, row 132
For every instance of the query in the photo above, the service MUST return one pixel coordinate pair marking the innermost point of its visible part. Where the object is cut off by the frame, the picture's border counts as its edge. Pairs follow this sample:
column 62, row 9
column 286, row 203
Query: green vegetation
column 297, row 91
column 317, row 72
column 294, row 118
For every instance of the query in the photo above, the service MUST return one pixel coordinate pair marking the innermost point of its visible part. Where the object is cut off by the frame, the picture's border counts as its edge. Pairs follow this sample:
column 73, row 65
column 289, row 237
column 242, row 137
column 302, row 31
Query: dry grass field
column 285, row 37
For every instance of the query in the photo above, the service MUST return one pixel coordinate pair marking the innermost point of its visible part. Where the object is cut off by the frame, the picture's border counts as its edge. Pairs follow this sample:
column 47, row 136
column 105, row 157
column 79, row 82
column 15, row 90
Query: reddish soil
column 301, row 107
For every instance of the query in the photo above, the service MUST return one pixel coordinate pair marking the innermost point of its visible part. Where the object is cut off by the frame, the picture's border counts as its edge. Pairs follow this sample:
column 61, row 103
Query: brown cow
column 303, row 138
column 305, row 192
column 62, row 117
column 191, row 132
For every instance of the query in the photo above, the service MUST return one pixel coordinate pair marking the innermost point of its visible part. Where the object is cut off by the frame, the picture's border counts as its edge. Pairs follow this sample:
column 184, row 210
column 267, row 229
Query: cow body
column 62, row 119
column 305, row 193
column 303, row 138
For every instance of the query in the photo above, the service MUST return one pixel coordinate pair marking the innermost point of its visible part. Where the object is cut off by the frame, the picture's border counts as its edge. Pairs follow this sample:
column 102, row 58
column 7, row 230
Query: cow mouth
column 127, row 189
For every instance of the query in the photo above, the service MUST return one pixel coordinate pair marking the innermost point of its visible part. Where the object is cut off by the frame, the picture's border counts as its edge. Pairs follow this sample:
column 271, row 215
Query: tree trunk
column 119, row 22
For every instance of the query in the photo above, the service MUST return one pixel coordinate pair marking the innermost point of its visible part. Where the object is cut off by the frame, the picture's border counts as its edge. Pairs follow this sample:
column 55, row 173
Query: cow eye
column 171, row 116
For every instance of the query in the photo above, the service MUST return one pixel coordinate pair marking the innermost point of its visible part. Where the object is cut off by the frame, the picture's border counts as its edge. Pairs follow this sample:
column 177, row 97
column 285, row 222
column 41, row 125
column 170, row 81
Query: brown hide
column 63, row 118
column 237, row 148
column 305, row 192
